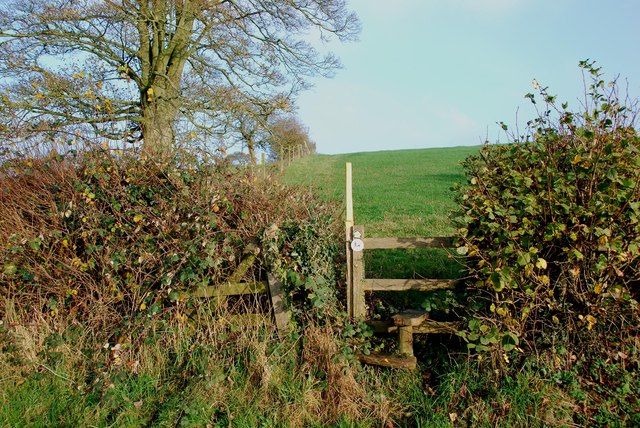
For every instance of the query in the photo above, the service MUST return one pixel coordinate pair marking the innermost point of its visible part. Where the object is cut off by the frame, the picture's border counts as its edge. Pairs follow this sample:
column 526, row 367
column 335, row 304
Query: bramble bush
column 551, row 225
column 112, row 240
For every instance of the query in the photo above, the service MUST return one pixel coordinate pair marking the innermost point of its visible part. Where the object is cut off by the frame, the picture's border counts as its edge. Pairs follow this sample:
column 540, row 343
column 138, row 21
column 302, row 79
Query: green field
column 395, row 193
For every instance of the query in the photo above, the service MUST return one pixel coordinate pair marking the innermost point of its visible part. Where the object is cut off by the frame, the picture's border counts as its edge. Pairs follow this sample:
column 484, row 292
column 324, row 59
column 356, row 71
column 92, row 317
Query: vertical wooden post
column 405, row 337
column 263, row 160
column 348, row 225
column 357, row 298
column 281, row 312
column 282, row 160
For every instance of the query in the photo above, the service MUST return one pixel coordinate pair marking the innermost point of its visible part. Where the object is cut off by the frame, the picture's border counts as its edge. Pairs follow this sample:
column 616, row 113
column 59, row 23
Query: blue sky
column 439, row 73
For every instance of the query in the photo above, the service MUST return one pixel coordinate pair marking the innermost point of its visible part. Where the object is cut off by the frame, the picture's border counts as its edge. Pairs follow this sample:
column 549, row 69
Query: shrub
column 551, row 223
column 113, row 240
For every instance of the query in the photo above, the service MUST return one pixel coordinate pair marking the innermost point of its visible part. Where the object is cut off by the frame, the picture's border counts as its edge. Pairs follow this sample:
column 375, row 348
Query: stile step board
column 427, row 327
column 374, row 284
column 387, row 360
column 410, row 318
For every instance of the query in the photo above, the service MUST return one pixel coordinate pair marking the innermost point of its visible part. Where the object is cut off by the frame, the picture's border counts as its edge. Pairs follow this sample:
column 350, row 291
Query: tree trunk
column 252, row 153
column 159, row 114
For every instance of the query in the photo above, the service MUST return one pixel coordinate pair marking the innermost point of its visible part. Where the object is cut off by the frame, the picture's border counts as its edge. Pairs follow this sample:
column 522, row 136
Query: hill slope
column 396, row 193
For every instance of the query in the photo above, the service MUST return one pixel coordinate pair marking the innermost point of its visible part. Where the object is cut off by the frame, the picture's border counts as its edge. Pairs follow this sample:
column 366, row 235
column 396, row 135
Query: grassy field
column 395, row 193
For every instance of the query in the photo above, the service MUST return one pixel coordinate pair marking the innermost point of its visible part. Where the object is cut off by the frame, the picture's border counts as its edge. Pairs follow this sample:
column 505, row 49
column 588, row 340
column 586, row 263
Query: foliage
column 112, row 240
column 551, row 223
column 288, row 138
column 136, row 69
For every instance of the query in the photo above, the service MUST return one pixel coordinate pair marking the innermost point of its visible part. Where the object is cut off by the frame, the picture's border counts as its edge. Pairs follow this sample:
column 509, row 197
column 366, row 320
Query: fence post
column 357, row 271
column 348, row 225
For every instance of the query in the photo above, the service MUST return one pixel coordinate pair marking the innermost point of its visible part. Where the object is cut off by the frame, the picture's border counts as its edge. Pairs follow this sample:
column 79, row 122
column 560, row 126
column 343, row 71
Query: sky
column 442, row 73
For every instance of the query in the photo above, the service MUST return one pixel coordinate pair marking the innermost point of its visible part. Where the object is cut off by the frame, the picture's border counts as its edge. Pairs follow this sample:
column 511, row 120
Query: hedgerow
column 113, row 240
column 551, row 225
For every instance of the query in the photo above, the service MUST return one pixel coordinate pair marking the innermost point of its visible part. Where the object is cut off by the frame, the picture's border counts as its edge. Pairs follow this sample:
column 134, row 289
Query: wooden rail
column 375, row 284
column 390, row 243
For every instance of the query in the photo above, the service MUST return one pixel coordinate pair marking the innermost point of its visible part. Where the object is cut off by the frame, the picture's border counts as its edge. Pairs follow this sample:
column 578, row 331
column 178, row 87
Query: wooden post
column 405, row 336
column 263, row 160
column 348, row 224
column 281, row 312
column 357, row 298
column 281, row 159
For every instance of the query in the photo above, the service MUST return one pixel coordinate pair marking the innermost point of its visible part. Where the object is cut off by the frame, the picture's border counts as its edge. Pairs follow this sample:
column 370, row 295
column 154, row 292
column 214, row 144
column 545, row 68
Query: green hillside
column 396, row 193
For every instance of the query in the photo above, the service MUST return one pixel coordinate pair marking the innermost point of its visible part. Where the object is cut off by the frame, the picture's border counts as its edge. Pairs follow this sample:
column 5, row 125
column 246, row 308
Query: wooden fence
column 405, row 323
column 235, row 286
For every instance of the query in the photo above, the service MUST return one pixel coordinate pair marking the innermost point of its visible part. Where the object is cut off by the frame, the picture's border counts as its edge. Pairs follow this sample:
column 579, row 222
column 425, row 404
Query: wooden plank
column 427, row 327
column 393, row 361
column 391, row 243
column 229, row 289
column 437, row 327
column 281, row 312
column 409, row 284
column 242, row 268
column 382, row 326
column 410, row 317
column 357, row 297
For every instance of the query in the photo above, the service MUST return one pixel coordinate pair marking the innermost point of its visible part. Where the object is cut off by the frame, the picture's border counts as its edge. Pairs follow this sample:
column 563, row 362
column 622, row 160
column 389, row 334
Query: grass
column 395, row 193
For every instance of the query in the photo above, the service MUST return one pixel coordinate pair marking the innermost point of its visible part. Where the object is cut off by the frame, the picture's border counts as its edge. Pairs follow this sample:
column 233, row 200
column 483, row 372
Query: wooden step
column 388, row 360
column 426, row 327
column 410, row 317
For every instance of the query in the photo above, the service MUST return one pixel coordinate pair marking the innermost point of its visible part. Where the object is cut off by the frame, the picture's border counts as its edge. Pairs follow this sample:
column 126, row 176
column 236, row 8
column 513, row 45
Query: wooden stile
column 406, row 323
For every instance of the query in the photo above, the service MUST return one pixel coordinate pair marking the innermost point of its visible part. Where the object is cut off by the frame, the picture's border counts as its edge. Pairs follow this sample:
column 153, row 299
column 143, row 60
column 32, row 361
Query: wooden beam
column 391, row 243
column 437, row 327
column 393, row 361
column 427, row 327
column 242, row 268
column 405, row 340
column 229, row 289
column 409, row 284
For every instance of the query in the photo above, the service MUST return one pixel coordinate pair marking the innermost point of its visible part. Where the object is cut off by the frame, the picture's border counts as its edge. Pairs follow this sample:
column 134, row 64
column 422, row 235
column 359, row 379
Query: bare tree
column 136, row 68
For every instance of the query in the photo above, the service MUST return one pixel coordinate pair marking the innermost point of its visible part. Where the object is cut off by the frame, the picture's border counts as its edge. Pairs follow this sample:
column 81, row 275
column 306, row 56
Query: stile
column 408, row 322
